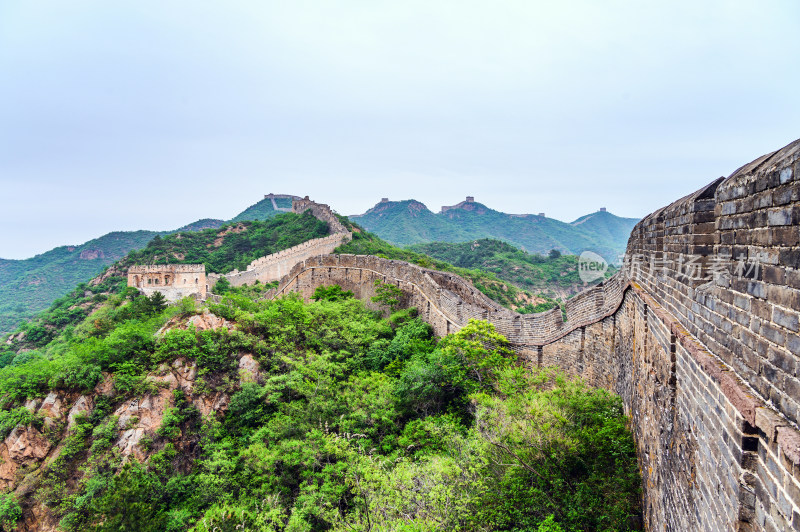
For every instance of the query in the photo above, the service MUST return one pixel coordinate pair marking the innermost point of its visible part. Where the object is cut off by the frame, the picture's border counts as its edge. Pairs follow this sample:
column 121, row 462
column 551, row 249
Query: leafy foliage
column 10, row 511
column 331, row 293
column 354, row 422
column 387, row 294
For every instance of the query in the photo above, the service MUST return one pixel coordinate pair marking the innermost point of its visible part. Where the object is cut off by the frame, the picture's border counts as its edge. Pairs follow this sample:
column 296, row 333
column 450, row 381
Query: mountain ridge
column 28, row 286
column 409, row 222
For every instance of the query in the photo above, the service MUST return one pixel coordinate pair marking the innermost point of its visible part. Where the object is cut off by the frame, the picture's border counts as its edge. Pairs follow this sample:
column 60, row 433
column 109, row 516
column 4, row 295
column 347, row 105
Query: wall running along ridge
column 265, row 269
column 707, row 368
column 273, row 267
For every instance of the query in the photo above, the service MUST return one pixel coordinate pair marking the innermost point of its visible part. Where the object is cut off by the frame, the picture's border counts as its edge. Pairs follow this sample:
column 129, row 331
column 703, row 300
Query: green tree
column 10, row 512
column 331, row 293
column 387, row 294
column 222, row 286
column 481, row 349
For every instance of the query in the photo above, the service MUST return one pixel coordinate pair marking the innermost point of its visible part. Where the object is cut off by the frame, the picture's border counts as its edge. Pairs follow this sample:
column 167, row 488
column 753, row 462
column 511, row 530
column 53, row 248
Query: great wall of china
column 698, row 333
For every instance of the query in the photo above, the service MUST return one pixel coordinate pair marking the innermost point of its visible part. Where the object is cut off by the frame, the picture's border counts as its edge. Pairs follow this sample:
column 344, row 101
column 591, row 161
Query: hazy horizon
column 148, row 115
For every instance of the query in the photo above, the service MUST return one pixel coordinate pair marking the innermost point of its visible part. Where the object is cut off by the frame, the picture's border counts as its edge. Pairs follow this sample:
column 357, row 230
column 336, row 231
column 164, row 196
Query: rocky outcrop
column 92, row 254
column 140, row 416
column 208, row 321
column 24, row 446
column 82, row 407
column 113, row 271
column 248, row 369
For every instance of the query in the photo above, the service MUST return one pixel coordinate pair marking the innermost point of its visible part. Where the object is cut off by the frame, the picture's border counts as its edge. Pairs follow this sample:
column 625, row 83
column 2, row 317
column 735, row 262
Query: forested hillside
column 284, row 415
column 411, row 222
column 232, row 246
column 29, row 286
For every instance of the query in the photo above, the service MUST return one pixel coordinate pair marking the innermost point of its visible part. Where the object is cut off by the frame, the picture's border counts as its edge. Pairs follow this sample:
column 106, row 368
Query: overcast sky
column 152, row 114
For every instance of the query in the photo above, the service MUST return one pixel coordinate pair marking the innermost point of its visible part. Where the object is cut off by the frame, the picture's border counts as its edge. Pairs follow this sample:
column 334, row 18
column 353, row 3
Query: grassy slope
column 262, row 210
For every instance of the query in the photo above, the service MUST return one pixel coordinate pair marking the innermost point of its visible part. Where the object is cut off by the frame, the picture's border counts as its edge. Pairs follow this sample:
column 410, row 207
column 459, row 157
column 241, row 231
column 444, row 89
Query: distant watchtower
column 384, row 200
column 602, row 209
column 470, row 199
column 175, row 281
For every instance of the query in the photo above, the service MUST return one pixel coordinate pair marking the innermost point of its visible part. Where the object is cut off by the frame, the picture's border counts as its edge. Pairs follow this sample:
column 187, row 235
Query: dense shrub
column 354, row 422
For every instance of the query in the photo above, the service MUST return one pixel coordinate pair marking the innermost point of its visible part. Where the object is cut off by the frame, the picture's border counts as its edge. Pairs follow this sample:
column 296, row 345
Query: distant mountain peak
column 410, row 206
column 469, row 205
column 601, row 214
column 410, row 222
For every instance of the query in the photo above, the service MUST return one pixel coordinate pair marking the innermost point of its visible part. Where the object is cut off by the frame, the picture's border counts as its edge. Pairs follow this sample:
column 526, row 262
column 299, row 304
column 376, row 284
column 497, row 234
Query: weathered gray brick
column 786, row 318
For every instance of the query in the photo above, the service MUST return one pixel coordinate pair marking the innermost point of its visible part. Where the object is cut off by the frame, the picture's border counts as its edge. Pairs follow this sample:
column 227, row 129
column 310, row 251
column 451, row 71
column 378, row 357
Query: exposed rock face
column 208, row 321
column 23, row 446
column 211, row 403
column 238, row 228
column 113, row 271
column 248, row 369
column 185, row 373
column 15, row 338
column 51, row 409
column 83, row 406
column 105, row 386
column 201, row 322
column 92, row 254
column 26, row 442
column 138, row 417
